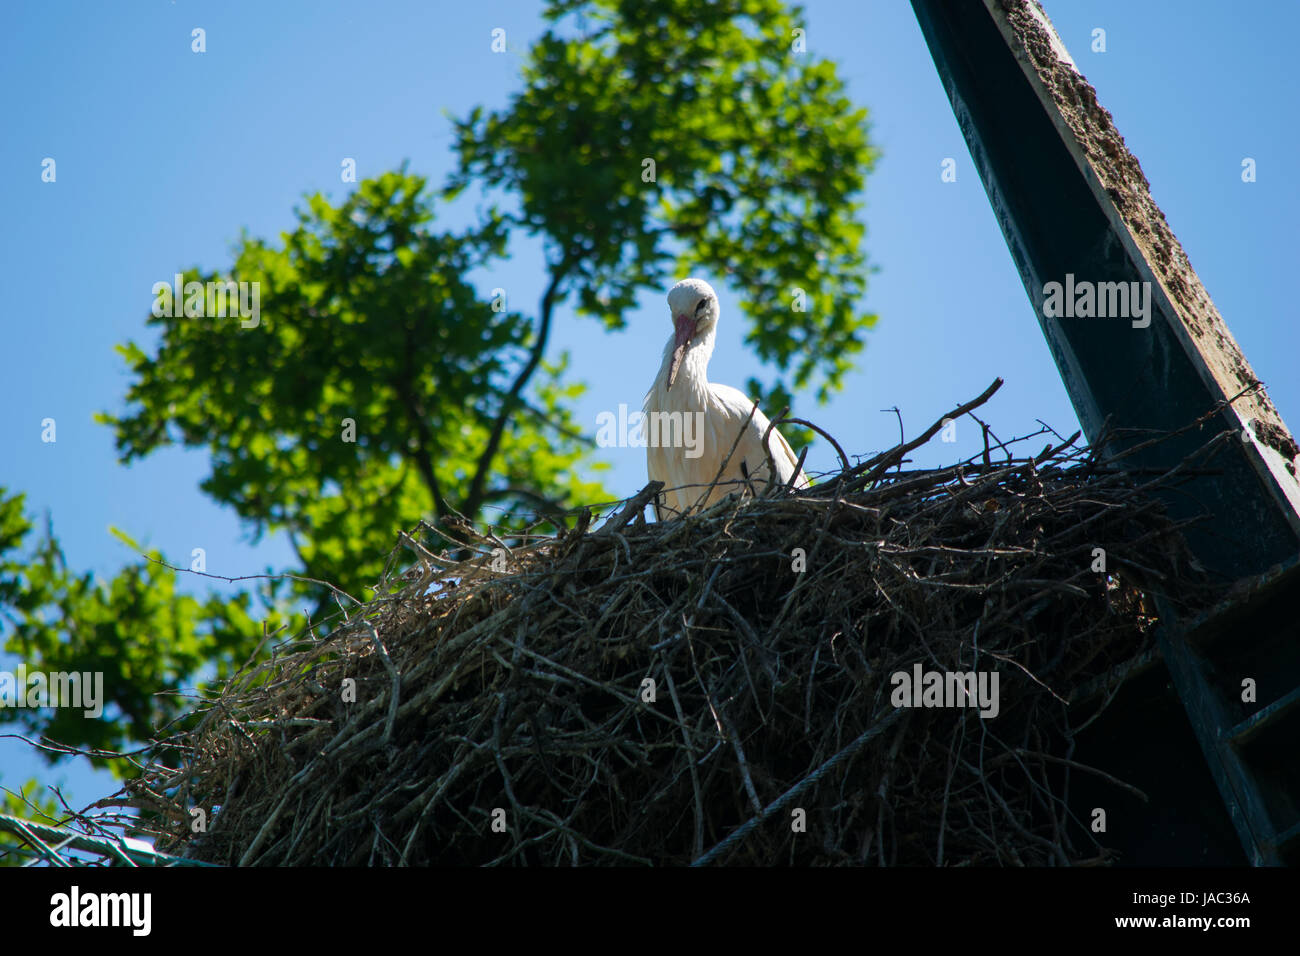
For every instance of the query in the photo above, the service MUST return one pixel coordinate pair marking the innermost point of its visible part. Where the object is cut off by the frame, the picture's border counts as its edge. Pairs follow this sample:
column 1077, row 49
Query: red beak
column 686, row 327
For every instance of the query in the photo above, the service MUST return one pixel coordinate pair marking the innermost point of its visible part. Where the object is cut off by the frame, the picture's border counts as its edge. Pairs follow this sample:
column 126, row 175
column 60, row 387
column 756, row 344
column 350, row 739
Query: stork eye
column 700, row 305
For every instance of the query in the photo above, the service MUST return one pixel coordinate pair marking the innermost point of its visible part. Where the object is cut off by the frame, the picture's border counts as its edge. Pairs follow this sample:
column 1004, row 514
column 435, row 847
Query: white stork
column 683, row 387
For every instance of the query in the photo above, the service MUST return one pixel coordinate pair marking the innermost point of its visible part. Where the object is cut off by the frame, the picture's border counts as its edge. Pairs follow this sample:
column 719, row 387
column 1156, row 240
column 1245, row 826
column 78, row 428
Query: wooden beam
column 1075, row 208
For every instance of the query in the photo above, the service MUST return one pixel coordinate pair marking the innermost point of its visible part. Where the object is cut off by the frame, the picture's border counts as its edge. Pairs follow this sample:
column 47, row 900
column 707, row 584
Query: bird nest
column 724, row 688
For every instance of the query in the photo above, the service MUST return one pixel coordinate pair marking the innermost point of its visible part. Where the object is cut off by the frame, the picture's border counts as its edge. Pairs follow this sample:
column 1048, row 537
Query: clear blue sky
column 163, row 155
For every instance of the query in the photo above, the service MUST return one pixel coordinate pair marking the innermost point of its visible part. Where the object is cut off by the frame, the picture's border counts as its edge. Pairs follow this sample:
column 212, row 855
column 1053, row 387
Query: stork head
column 694, row 308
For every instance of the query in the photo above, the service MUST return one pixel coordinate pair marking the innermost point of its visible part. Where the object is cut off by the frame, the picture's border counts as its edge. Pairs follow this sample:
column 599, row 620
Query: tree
column 758, row 159
column 359, row 401
column 647, row 140
column 145, row 637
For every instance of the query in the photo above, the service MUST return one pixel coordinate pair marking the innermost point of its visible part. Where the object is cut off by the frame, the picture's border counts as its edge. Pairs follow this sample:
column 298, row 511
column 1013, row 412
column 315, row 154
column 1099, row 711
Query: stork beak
column 685, row 326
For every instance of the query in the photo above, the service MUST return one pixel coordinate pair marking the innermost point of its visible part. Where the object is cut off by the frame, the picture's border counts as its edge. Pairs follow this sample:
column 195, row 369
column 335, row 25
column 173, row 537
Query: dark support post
column 1075, row 208
column 1142, row 351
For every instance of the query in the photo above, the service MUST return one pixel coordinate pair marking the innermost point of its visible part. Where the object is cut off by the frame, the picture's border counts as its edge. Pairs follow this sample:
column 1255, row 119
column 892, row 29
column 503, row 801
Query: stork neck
column 692, row 374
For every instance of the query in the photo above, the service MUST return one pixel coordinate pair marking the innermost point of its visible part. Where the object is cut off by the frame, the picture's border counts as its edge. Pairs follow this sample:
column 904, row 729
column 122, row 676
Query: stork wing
column 735, row 406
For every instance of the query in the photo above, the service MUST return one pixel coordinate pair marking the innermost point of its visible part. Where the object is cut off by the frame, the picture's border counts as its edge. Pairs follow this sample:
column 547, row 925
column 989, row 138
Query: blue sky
column 164, row 155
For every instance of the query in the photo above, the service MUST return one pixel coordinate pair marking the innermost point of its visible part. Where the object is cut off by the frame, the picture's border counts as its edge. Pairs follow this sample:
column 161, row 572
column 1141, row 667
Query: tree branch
column 423, row 458
column 474, row 500
column 561, row 428
column 546, row 506
column 423, row 437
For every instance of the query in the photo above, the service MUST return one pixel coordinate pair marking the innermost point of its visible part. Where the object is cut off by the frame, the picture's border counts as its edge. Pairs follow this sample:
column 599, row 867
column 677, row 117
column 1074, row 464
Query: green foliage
column 366, row 322
column 369, row 325
column 28, row 802
column 145, row 637
column 758, row 154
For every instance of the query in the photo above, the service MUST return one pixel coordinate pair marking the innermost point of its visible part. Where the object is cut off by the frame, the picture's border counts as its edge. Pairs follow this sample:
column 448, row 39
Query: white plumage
column 682, row 387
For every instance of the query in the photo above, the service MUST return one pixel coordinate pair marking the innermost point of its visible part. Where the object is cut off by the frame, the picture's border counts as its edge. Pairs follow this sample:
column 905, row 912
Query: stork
column 682, row 389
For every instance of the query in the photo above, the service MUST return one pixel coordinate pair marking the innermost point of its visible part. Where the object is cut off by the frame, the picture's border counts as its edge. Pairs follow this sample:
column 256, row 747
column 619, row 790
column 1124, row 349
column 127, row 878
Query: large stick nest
column 504, row 711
